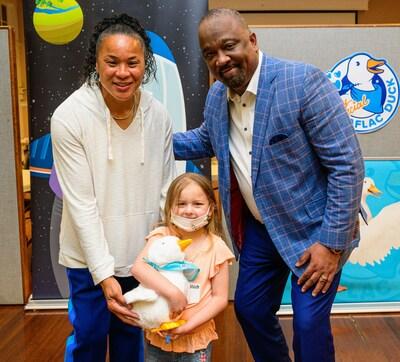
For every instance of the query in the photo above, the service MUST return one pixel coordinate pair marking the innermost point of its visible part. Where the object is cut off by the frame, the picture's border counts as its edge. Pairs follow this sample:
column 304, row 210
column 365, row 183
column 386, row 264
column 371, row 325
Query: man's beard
column 236, row 81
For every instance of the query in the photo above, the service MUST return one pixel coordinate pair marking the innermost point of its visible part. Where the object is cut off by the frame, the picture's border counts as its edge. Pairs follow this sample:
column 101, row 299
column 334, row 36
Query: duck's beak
column 374, row 190
column 374, row 64
column 183, row 244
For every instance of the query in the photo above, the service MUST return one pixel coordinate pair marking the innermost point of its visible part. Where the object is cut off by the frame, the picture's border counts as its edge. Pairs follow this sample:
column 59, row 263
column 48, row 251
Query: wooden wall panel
column 380, row 12
column 300, row 18
column 288, row 5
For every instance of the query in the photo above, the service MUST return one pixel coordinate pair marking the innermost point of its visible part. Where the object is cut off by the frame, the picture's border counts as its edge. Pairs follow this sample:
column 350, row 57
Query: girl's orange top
column 209, row 261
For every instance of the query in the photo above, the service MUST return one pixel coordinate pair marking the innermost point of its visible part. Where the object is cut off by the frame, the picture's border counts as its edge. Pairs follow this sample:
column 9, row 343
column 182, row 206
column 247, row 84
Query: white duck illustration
column 369, row 189
column 379, row 234
column 365, row 86
column 166, row 255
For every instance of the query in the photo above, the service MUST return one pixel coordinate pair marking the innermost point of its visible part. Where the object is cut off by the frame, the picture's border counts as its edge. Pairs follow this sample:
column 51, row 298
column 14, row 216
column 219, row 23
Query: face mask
column 187, row 224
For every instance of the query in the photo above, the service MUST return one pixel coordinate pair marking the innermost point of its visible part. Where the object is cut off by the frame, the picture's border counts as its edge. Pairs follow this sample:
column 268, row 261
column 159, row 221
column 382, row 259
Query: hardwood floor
column 40, row 336
column 358, row 337
column 32, row 337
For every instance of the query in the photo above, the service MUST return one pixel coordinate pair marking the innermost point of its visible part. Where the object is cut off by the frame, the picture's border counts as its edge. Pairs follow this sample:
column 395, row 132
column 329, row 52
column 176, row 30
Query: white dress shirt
column 241, row 135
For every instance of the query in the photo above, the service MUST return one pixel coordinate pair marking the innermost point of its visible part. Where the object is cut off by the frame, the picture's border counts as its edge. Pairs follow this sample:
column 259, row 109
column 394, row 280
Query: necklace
column 131, row 112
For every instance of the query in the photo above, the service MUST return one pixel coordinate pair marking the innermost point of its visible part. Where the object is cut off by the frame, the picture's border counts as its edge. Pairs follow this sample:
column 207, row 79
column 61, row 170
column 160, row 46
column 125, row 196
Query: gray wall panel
column 324, row 47
column 10, row 256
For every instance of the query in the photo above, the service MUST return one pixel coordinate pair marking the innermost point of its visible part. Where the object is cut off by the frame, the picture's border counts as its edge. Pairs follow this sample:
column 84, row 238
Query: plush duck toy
column 166, row 255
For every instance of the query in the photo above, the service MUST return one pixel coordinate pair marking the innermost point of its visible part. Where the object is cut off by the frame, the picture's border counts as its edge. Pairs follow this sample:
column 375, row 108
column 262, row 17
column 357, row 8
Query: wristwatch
column 335, row 251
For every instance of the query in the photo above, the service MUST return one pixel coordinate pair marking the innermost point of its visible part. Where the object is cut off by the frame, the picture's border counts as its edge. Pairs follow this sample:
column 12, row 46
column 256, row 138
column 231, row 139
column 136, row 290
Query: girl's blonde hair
column 175, row 190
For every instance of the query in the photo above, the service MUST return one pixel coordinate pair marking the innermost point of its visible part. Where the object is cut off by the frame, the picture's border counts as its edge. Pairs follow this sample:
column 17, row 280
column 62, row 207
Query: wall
column 366, row 11
column 11, row 281
column 14, row 12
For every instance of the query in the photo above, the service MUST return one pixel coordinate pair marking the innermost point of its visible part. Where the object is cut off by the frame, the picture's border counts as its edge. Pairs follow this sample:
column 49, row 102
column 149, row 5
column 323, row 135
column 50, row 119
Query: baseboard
column 43, row 304
column 338, row 308
column 352, row 308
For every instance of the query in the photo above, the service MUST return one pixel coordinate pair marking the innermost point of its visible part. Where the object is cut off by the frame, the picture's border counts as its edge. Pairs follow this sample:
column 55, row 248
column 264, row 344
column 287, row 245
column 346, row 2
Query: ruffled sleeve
column 221, row 254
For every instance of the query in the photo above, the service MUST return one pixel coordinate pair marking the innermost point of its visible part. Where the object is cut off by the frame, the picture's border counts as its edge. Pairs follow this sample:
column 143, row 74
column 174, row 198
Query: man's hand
column 321, row 269
column 116, row 302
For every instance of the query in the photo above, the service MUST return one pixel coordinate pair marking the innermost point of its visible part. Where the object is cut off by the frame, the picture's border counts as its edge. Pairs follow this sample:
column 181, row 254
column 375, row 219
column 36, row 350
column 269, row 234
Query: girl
column 190, row 213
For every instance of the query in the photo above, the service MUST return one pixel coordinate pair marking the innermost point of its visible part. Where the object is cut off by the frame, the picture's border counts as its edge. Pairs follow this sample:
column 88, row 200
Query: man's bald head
column 214, row 14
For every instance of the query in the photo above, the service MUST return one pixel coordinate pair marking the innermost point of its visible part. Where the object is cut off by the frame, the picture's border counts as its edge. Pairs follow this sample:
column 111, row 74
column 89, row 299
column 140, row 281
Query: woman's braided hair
column 119, row 24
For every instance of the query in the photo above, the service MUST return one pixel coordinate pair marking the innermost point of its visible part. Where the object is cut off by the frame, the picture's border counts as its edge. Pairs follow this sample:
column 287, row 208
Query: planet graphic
column 58, row 21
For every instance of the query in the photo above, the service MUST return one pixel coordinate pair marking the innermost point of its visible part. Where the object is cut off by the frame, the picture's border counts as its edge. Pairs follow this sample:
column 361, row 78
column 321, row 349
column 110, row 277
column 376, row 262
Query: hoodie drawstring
column 109, row 145
column 141, row 136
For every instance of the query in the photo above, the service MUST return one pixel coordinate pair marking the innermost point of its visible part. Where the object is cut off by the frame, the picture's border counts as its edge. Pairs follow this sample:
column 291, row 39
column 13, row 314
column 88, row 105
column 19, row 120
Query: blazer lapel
column 223, row 137
column 265, row 94
column 225, row 131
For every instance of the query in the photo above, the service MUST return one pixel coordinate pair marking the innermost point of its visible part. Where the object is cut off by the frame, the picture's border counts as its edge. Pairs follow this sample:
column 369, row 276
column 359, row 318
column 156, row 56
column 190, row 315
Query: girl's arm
column 217, row 303
column 152, row 279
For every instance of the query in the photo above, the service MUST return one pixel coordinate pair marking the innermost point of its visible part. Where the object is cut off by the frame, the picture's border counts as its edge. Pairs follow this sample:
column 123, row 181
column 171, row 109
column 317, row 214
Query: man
column 290, row 180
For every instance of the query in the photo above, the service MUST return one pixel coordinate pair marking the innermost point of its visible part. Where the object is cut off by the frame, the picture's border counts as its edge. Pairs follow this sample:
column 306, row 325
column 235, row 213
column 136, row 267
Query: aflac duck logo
column 369, row 89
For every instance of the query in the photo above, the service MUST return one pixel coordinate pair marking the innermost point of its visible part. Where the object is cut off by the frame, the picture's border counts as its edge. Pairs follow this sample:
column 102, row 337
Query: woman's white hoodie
column 114, row 181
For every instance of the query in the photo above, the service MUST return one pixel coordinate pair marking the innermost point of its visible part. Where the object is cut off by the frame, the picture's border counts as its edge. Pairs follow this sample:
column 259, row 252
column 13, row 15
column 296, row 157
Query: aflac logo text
column 369, row 89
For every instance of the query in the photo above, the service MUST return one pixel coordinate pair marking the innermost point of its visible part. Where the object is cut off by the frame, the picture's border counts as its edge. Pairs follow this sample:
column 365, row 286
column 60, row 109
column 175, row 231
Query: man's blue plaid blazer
column 307, row 169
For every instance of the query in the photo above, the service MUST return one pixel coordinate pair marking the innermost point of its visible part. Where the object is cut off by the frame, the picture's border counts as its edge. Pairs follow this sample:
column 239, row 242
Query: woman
column 113, row 157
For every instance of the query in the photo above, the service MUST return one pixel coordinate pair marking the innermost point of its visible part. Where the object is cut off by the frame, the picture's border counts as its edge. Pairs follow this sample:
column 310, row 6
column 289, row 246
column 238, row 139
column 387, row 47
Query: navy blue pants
column 262, row 278
column 94, row 325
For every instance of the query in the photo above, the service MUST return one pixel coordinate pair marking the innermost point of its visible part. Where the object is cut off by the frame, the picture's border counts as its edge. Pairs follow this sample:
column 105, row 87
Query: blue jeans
column 93, row 323
column 155, row 354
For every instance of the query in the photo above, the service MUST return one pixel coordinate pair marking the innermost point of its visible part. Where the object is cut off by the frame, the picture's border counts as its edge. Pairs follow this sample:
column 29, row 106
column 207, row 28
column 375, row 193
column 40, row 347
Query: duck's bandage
column 190, row 270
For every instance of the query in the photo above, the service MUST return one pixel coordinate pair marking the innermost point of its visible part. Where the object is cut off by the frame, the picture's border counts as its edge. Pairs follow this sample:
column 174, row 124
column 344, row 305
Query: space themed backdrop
column 57, row 35
column 360, row 62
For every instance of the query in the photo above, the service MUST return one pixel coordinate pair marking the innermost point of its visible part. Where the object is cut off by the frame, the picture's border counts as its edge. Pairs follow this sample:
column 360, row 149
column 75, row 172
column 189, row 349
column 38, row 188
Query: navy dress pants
column 95, row 326
column 262, row 278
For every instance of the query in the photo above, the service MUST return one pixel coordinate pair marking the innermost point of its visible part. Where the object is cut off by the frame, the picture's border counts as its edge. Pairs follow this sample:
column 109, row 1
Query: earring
column 94, row 77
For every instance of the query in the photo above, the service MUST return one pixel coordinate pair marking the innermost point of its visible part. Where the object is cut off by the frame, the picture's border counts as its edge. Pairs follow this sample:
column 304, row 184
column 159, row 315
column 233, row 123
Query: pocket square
column 277, row 138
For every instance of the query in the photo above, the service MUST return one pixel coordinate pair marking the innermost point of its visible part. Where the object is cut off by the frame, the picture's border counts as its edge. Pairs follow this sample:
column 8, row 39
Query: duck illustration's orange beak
column 374, row 190
column 374, row 64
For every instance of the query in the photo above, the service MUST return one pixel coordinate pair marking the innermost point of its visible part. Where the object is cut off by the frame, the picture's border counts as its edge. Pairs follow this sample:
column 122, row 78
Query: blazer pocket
column 277, row 138
column 316, row 208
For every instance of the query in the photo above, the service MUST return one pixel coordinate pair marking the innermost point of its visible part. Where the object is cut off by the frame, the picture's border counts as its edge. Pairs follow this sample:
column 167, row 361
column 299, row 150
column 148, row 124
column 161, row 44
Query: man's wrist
column 335, row 251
